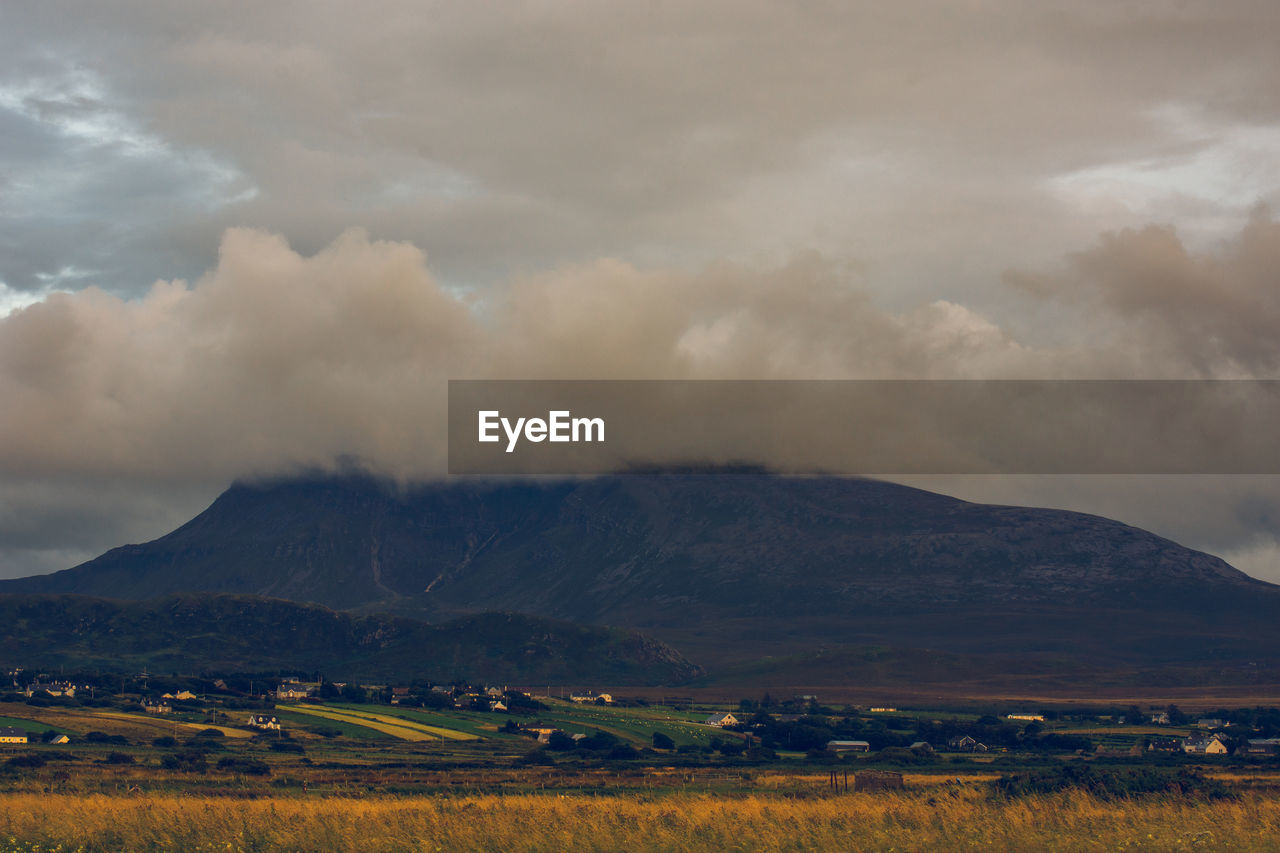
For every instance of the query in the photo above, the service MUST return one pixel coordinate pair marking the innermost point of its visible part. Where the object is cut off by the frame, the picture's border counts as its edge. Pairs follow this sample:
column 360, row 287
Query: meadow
column 371, row 777
column 934, row 817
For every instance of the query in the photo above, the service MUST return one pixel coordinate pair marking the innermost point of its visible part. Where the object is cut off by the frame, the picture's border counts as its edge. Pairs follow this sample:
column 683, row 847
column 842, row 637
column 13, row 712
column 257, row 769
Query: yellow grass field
column 395, row 726
column 961, row 819
column 81, row 720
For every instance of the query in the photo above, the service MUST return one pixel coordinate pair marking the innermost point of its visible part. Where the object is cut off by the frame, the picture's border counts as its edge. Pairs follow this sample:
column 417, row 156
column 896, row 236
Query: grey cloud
column 672, row 130
column 1211, row 314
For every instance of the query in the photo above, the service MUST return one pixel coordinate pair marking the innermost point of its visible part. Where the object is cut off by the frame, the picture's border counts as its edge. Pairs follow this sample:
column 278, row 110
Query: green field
column 31, row 726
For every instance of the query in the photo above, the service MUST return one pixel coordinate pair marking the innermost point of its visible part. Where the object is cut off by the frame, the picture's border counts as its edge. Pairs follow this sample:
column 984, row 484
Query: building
column 543, row 732
column 1211, row 723
column 1165, row 745
column 1262, row 747
column 848, row 746
column 156, row 706
column 1211, row 745
column 267, row 722
column 292, row 689
column 9, row 734
column 1033, row 718
column 885, row 710
column 966, row 744
column 53, row 688
column 719, row 721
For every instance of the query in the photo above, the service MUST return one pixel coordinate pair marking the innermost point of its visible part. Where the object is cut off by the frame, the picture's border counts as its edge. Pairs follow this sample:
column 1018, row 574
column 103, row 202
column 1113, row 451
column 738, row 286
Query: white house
column 719, row 721
column 9, row 734
column 1211, row 745
column 264, row 721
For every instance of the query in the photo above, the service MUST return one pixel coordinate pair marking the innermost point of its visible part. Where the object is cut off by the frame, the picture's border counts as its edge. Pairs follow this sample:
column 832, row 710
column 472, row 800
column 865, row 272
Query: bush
column 187, row 761
column 248, row 766
column 29, row 759
column 103, row 737
column 559, row 742
column 119, row 758
column 1113, row 784
column 166, row 742
column 287, row 746
column 662, row 741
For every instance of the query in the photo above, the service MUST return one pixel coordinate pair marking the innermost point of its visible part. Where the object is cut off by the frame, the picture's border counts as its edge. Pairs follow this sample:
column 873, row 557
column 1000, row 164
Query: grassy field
column 396, row 726
column 933, row 818
column 380, row 778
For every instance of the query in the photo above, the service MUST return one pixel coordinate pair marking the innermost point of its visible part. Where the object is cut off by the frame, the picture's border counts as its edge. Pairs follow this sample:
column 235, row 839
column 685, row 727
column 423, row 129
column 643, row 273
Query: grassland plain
column 400, row 727
column 932, row 818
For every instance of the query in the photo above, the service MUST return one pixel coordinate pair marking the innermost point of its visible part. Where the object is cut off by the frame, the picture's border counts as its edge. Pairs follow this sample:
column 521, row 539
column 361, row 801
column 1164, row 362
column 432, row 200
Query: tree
column 662, row 741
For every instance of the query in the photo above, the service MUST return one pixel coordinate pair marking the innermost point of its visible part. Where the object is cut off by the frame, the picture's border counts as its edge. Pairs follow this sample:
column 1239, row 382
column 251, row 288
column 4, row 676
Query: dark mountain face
column 725, row 566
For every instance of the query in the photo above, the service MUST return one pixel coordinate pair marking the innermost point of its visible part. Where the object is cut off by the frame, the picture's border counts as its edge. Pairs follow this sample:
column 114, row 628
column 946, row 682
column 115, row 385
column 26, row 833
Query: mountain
column 729, row 567
column 193, row 633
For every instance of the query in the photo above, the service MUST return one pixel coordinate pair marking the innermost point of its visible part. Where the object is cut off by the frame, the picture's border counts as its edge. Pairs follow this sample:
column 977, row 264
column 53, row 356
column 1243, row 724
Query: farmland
column 361, row 776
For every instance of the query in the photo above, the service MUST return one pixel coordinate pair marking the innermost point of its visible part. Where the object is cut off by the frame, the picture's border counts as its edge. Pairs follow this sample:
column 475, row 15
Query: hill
column 729, row 567
column 193, row 633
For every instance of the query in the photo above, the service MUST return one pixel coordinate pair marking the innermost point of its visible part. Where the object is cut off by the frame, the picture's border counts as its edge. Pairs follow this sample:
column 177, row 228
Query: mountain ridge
column 728, row 567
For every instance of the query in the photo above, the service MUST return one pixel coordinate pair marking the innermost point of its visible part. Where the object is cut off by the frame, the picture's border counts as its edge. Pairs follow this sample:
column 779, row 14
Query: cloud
column 1206, row 314
column 668, row 134
column 275, row 361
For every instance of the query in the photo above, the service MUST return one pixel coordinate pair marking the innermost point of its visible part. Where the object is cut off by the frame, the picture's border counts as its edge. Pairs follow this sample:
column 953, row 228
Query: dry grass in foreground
column 912, row 820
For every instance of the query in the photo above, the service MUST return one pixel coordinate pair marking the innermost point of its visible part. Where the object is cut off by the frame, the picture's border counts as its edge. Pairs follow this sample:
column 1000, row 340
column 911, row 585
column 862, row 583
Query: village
column 145, row 717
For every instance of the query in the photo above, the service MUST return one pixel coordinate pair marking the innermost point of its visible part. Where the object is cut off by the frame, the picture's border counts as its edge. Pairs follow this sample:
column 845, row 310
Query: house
column 53, row 688
column 56, row 739
column 1161, row 719
column 885, row 710
column 9, row 734
column 719, row 721
column 294, row 691
column 264, row 721
column 966, row 744
column 399, row 694
column 543, row 732
column 1263, row 746
column 1211, row 723
column 1033, row 718
column 156, row 706
column 181, row 696
column 1211, row 745
column 848, row 746
column 1171, row 744
column 921, row 746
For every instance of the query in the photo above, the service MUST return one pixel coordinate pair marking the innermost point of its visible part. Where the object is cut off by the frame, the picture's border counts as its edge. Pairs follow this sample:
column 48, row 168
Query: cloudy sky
column 243, row 241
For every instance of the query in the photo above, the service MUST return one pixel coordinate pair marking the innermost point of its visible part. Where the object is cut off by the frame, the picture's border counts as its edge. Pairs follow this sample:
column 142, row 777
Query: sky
column 243, row 241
